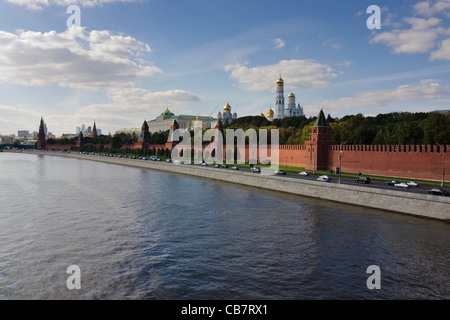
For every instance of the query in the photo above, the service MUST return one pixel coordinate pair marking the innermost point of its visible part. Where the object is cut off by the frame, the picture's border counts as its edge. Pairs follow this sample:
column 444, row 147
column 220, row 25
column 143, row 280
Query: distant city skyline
column 132, row 59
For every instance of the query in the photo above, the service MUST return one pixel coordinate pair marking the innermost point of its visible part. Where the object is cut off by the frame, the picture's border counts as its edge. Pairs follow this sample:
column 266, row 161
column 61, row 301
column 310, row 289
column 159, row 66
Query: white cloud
column 279, row 43
column 430, row 8
column 296, row 73
column 40, row 4
column 345, row 63
column 74, row 58
column 332, row 43
column 425, row 90
column 443, row 53
column 420, row 38
column 128, row 107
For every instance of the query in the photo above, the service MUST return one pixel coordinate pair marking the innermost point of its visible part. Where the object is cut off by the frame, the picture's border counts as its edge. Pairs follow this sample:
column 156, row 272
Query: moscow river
column 142, row 234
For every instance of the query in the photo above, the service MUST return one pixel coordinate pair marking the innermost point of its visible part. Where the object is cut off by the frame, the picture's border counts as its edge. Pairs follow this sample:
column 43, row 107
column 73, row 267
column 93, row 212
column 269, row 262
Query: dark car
column 391, row 183
column 362, row 180
column 438, row 192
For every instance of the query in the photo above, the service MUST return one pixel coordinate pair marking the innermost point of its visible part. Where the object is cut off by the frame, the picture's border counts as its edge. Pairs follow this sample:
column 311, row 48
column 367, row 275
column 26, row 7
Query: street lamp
column 340, row 166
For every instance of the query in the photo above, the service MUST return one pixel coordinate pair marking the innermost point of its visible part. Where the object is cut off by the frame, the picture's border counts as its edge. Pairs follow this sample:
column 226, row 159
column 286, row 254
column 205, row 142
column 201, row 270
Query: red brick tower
column 219, row 125
column 80, row 141
column 145, row 139
column 170, row 142
column 41, row 136
column 321, row 138
column 94, row 131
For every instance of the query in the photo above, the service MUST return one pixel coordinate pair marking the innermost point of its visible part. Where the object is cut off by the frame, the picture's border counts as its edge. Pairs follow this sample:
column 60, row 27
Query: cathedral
column 280, row 110
column 226, row 117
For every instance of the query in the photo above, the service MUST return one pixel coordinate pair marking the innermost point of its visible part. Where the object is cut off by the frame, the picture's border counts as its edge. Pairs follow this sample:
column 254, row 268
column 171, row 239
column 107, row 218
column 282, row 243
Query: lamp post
column 340, row 166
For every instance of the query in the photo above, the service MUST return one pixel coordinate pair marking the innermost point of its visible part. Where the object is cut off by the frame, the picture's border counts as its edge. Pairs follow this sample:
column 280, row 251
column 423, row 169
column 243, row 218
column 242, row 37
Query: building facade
column 185, row 122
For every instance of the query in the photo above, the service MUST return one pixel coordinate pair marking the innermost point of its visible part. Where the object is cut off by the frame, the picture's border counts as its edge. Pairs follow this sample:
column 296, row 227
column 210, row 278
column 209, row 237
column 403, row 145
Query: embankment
column 421, row 205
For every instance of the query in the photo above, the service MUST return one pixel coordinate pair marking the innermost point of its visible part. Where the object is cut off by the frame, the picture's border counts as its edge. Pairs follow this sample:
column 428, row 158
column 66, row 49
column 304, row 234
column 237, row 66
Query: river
column 143, row 234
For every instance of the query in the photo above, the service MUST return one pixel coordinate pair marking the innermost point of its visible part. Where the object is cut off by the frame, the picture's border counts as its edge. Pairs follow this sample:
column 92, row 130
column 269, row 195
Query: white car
column 324, row 178
column 401, row 185
column 255, row 169
column 235, row 168
column 412, row 184
column 303, row 173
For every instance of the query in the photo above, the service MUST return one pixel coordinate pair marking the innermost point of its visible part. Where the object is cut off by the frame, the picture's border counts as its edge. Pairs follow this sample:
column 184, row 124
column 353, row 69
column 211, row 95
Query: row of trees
column 116, row 141
column 384, row 129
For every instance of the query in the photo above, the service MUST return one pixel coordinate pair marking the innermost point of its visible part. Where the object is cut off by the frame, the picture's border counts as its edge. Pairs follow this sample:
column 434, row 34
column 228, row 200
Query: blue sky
column 133, row 58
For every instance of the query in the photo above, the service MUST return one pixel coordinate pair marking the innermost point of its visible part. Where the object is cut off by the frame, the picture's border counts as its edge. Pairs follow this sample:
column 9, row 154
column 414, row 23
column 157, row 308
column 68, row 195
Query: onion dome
column 280, row 81
column 270, row 113
column 291, row 95
column 227, row 107
column 262, row 115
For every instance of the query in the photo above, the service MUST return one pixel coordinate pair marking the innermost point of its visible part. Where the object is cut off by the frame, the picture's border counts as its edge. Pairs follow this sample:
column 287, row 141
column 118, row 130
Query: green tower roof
column 321, row 120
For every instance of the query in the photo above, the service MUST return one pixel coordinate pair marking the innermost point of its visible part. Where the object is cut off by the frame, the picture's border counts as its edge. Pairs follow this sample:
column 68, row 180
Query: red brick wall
column 420, row 162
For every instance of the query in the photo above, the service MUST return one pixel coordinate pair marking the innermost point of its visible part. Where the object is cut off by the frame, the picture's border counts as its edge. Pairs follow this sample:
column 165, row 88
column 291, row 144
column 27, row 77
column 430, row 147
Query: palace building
column 186, row 122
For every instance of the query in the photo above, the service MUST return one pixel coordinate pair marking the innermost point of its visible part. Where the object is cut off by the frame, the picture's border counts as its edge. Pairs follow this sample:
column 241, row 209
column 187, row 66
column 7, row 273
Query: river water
column 143, row 234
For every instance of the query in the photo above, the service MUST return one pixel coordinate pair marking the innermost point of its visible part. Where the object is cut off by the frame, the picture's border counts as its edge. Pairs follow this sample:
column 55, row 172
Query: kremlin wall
column 320, row 153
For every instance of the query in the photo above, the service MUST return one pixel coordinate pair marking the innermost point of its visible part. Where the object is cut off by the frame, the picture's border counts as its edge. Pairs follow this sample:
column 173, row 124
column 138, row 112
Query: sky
column 129, row 60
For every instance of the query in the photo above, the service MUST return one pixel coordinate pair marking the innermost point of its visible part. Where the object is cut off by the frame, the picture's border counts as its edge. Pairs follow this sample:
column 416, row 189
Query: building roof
column 185, row 117
column 321, row 120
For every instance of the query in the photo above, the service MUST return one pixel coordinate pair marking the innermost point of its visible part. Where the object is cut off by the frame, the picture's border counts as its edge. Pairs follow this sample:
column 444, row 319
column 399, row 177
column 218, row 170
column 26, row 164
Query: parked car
column 303, row 173
column 255, row 169
column 438, row 192
column 324, row 178
column 391, row 183
column 280, row 172
column 412, row 184
column 224, row 166
column 235, row 168
column 401, row 185
column 362, row 180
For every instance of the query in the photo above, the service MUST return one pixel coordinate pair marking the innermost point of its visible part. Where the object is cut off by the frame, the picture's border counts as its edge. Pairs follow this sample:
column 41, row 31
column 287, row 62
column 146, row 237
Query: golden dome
column 292, row 95
column 227, row 107
column 262, row 115
column 198, row 118
column 280, row 82
column 270, row 113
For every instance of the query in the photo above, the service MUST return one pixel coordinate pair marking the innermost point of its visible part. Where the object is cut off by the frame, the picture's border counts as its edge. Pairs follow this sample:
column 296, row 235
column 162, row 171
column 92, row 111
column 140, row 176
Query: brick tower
column 145, row 139
column 170, row 142
column 41, row 136
column 94, row 131
column 80, row 141
column 320, row 140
